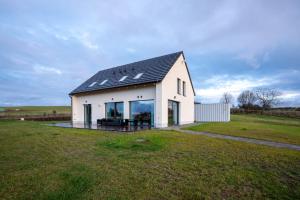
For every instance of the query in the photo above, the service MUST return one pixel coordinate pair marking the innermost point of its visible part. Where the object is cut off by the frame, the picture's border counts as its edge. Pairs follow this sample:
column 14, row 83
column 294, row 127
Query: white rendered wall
column 212, row 112
column 98, row 100
column 167, row 90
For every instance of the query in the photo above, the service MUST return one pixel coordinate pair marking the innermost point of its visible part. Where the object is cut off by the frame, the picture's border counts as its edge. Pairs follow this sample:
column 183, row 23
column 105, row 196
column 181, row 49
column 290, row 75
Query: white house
column 159, row 88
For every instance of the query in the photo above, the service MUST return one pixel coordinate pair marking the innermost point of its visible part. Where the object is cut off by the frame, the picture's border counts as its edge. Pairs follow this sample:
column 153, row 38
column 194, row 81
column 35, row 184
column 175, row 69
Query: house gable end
column 187, row 70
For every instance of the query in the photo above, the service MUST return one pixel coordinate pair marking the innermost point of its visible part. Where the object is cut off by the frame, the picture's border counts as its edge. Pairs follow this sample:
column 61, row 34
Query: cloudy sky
column 47, row 48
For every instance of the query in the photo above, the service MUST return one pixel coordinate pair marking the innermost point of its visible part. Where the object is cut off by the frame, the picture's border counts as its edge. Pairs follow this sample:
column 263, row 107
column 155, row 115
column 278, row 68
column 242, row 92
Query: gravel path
column 242, row 139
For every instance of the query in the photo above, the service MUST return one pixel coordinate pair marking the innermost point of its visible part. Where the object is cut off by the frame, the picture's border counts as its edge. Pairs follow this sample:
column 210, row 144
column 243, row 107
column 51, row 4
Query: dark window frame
column 130, row 109
column 183, row 88
column 179, row 86
column 115, row 108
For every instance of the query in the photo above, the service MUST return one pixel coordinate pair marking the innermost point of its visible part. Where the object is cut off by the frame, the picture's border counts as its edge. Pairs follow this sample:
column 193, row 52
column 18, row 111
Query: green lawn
column 278, row 129
column 34, row 110
column 42, row 162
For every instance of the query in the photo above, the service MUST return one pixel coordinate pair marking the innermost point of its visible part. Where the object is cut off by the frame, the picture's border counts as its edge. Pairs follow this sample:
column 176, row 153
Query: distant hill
column 35, row 110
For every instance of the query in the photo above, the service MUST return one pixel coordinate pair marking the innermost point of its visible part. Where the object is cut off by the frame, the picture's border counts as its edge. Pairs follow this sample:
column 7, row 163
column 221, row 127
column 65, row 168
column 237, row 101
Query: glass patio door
column 87, row 113
column 173, row 113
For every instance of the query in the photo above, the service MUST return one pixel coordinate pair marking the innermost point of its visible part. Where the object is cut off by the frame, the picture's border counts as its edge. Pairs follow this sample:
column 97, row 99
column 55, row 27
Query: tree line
column 260, row 98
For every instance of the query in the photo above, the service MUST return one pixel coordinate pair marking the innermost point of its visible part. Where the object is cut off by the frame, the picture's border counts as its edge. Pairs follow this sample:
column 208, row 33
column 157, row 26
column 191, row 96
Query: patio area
column 94, row 126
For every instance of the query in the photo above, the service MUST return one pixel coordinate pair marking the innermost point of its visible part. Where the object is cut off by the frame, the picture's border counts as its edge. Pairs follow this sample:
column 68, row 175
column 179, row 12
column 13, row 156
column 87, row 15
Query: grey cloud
column 74, row 39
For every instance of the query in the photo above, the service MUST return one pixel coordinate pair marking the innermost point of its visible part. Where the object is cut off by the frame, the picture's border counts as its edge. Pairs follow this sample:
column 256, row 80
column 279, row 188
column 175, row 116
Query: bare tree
column 247, row 99
column 227, row 98
column 267, row 97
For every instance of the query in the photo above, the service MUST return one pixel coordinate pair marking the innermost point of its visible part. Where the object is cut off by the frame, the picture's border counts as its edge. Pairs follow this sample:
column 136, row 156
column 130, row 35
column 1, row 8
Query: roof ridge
column 147, row 59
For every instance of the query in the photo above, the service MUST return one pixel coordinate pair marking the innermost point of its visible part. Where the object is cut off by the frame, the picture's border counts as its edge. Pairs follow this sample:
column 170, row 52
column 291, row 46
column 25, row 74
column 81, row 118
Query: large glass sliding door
column 142, row 110
column 173, row 113
column 114, row 110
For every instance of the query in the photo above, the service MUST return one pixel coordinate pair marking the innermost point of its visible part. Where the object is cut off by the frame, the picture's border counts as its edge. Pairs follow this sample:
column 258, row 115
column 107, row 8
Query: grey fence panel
column 216, row 112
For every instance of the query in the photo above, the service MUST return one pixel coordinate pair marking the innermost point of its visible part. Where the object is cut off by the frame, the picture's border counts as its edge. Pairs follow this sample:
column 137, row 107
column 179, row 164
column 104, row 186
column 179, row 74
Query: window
column 142, row 110
column 178, row 86
column 123, row 78
column 114, row 110
column 94, row 83
column 138, row 76
column 183, row 88
column 103, row 82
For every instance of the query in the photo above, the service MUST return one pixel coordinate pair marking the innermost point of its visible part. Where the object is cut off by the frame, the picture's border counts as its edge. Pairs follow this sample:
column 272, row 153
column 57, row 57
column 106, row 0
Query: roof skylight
column 138, row 76
column 94, row 83
column 123, row 78
column 103, row 82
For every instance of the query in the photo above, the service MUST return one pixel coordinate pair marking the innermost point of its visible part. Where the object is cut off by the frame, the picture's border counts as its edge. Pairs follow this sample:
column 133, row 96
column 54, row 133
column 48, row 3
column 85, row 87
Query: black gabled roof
column 153, row 69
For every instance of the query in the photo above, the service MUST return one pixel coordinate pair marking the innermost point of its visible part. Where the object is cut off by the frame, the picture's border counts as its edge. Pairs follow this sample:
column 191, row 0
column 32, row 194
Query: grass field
column 279, row 129
column 42, row 162
column 34, row 110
